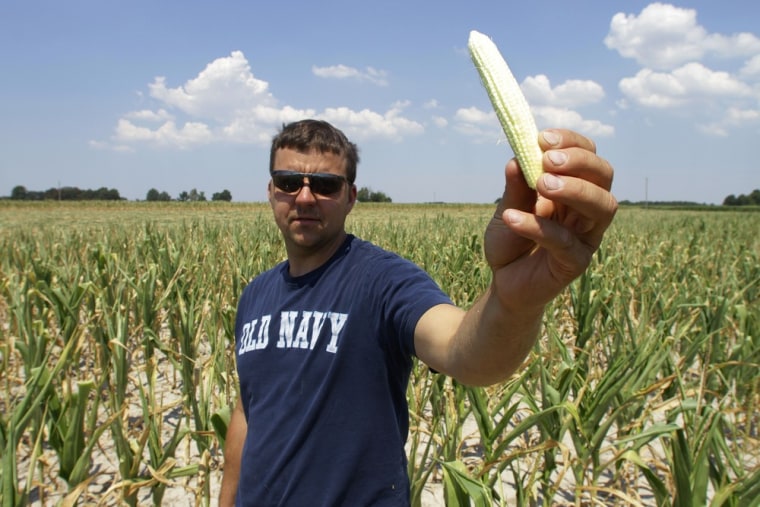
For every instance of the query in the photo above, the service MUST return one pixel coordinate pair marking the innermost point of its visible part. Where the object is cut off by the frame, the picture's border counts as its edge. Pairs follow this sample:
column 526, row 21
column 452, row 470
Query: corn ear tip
column 531, row 171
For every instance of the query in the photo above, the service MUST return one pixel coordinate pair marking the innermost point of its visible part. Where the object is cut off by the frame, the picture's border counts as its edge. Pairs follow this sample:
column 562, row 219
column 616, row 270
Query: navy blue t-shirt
column 323, row 361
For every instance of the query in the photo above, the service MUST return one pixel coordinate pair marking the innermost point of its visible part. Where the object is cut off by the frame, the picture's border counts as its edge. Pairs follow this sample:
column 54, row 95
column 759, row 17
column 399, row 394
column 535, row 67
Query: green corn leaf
column 220, row 420
column 682, row 469
column 73, row 444
column 660, row 490
column 460, row 487
column 644, row 437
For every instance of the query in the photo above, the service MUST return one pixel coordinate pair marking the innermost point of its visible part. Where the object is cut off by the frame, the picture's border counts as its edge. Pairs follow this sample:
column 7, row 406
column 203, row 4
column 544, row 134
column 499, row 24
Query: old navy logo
column 298, row 330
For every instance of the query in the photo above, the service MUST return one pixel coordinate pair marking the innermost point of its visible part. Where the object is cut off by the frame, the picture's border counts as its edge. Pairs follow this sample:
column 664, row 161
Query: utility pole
column 646, row 192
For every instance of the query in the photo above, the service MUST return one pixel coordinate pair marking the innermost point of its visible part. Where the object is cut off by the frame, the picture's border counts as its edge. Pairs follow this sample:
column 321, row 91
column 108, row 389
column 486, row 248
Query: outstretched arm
column 536, row 244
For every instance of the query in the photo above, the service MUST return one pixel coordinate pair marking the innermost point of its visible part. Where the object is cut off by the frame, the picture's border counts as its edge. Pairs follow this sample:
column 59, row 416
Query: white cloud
column 713, row 130
column 550, row 106
column 702, row 81
column 674, row 51
column 474, row 115
column 484, row 126
column 440, row 121
column 732, row 119
column 149, row 116
column 480, row 126
column 226, row 103
column 191, row 133
column 370, row 74
column 260, row 122
column 742, row 116
column 751, row 68
column 653, row 89
column 664, row 37
column 571, row 93
column 366, row 124
column 723, row 102
column 221, row 91
column 684, row 85
column 735, row 46
column 569, row 119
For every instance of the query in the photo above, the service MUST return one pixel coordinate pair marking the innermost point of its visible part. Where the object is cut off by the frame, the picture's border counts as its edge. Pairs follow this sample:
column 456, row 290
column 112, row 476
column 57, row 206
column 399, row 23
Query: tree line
column 192, row 196
column 20, row 193
column 743, row 200
column 366, row 194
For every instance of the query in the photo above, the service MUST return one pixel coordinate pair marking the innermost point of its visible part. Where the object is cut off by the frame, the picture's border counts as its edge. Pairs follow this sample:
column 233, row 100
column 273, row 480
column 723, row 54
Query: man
column 324, row 341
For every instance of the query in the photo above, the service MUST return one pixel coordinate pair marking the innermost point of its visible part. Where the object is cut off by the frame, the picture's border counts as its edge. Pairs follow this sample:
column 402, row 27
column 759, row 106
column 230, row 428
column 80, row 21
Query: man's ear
column 351, row 197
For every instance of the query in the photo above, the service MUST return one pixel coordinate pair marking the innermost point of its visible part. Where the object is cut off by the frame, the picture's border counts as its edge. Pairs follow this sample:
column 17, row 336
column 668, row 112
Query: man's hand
column 536, row 244
column 540, row 241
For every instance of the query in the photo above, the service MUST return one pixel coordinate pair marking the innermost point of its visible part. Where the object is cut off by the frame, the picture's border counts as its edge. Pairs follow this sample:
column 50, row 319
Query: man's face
column 310, row 222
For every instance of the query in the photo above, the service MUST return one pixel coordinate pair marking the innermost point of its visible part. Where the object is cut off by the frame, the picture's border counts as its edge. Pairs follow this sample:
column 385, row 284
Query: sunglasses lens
column 292, row 182
column 325, row 184
column 289, row 183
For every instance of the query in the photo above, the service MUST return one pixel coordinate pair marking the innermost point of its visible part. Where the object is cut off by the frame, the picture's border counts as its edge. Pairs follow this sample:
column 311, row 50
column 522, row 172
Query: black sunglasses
column 292, row 182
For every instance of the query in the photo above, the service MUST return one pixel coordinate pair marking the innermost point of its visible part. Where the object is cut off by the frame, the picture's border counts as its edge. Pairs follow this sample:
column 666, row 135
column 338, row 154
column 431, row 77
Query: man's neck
column 303, row 260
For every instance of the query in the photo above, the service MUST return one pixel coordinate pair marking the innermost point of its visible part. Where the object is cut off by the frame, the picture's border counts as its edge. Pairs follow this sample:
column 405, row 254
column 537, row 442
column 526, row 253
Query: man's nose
column 305, row 193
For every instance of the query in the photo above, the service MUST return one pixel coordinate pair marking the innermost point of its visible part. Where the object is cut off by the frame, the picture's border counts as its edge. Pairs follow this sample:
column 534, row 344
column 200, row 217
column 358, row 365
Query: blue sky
column 181, row 95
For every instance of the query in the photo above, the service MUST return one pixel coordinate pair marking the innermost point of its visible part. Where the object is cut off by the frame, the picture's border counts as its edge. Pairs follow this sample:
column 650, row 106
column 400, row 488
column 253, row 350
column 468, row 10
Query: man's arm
column 233, row 451
column 536, row 244
column 480, row 347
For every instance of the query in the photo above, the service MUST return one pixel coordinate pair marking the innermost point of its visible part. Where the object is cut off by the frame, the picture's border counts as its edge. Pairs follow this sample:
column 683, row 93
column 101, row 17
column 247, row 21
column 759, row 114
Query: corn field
column 117, row 367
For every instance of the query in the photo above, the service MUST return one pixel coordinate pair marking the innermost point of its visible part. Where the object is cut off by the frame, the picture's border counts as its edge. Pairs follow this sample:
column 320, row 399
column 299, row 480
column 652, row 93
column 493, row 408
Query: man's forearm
column 233, row 452
column 492, row 341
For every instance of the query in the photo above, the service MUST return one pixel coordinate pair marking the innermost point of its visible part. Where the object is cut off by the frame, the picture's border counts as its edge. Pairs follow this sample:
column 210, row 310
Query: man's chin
column 305, row 240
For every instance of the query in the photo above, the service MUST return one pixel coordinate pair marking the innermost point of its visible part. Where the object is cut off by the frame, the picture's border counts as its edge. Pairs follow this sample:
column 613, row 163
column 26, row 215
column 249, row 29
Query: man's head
column 316, row 135
column 311, row 190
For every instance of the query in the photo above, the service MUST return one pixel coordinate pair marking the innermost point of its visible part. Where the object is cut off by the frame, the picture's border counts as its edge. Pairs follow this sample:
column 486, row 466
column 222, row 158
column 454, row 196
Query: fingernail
column 552, row 182
column 557, row 157
column 551, row 137
column 513, row 216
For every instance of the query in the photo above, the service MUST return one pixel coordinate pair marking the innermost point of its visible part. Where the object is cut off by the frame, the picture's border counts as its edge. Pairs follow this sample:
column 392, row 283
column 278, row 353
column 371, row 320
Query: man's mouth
column 304, row 219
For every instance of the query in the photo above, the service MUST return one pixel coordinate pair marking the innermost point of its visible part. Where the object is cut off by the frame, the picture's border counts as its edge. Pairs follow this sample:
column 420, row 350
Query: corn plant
column 118, row 375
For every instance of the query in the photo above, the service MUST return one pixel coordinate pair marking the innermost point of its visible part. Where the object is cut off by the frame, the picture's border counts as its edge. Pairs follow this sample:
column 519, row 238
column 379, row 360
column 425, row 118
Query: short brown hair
column 307, row 135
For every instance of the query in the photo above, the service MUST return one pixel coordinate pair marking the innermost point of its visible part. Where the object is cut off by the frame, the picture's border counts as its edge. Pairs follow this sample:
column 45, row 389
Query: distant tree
column 34, row 195
column 64, row 193
column 18, row 193
column 196, row 196
column 155, row 195
column 224, row 195
column 192, row 195
column 106, row 194
column 379, row 197
column 366, row 194
column 743, row 200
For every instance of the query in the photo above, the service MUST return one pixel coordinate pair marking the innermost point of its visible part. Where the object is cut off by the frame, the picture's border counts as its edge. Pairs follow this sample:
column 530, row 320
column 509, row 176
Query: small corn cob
column 510, row 105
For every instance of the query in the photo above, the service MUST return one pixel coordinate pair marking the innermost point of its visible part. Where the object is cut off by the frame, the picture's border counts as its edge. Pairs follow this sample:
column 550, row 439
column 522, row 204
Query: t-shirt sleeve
column 405, row 293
